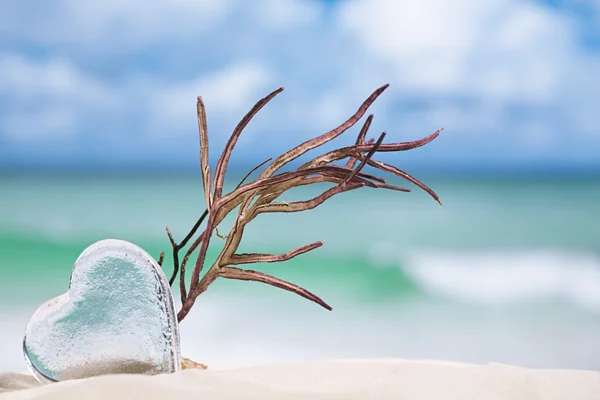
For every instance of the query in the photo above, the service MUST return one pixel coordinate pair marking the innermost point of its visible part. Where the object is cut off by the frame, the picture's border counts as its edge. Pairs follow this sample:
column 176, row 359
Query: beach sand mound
column 341, row 379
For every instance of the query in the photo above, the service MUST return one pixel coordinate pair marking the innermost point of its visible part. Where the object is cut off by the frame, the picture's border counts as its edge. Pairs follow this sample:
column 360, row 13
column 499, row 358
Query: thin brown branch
column 204, row 167
column 392, row 187
column 402, row 174
column 235, row 235
column 357, row 150
column 268, row 183
column 332, row 178
column 202, row 254
column 249, row 275
column 224, row 160
column 161, row 258
column 345, row 171
column 360, row 140
column 193, row 231
column 328, row 173
column 307, row 204
column 198, row 286
column 343, row 179
column 364, row 160
column 189, row 252
column 178, row 247
column 326, row 137
column 282, row 182
column 403, row 146
column 251, row 258
column 251, row 171
column 210, row 224
column 219, row 235
column 173, row 244
column 195, row 291
column 175, row 256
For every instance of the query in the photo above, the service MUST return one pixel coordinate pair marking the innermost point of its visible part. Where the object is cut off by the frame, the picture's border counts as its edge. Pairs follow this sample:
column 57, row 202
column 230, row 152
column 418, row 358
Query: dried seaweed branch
column 177, row 247
column 203, row 129
column 187, row 256
column 251, row 171
column 224, row 160
column 360, row 140
column 249, row 275
column 326, row 137
column 177, row 268
column 251, row 258
column 402, row 174
column 307, row 204
column 259, row 197
column 364, row 160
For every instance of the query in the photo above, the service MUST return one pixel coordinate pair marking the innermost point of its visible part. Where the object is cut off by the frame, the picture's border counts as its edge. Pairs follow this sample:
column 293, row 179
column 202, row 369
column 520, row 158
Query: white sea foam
column 508, row 276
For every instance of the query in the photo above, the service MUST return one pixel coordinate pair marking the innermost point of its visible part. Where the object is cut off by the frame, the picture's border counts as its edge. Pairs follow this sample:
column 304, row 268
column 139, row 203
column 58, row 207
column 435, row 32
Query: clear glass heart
column 118, row 316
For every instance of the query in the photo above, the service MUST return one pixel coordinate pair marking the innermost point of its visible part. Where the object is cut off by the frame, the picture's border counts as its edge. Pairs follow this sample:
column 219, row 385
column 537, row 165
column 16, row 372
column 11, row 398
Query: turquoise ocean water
column 506, row 271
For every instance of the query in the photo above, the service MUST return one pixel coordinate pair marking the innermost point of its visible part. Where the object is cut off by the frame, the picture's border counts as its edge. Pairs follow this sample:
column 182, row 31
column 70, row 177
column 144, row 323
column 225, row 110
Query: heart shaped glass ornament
column 118, row 316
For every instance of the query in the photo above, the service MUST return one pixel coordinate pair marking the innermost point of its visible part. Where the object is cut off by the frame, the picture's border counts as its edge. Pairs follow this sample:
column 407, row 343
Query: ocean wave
column 503, row 277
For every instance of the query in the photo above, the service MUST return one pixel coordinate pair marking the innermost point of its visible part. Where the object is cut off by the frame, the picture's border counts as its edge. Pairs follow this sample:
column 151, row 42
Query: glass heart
column 118, row 316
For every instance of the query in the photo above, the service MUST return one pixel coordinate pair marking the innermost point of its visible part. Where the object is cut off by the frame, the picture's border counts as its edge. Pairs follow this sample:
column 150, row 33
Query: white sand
column 344, row 379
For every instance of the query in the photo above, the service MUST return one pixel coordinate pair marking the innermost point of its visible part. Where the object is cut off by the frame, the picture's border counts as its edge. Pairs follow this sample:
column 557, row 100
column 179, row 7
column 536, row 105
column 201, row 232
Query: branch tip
column 171, row 237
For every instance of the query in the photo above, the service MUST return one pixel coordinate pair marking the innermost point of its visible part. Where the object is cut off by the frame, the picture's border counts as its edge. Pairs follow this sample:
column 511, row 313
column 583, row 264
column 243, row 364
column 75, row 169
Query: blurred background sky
column 111, row 85
column 98, row 139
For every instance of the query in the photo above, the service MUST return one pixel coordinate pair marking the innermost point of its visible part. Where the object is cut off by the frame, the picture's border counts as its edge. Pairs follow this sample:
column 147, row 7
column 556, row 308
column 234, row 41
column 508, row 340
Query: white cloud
column 425, row 44
column 47, row 97
column 330, row 109
column 111, row 23
column 500, row 49
column 48, row 123
column 55, row 77
column 589, row 5
column 518, row 63
column 582, row 95
column 232, row 89
column 54, row 99
column 496, row 73
column 288, row 14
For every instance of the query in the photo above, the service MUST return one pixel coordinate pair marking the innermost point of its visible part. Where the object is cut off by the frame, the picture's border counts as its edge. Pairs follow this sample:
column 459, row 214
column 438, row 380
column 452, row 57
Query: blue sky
column 111, row 85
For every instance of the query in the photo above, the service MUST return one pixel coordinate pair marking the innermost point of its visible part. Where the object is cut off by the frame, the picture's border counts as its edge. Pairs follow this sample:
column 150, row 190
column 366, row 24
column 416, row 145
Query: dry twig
column 259, row 197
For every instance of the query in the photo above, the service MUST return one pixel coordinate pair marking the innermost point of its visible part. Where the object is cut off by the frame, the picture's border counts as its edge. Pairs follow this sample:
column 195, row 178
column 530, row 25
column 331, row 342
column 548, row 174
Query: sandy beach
column 338, row 379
